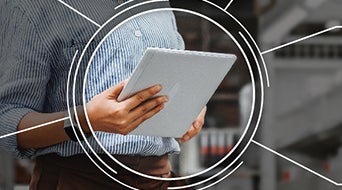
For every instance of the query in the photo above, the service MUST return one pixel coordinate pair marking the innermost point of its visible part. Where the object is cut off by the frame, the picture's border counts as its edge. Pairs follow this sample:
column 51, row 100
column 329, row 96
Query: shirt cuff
column 9, row 122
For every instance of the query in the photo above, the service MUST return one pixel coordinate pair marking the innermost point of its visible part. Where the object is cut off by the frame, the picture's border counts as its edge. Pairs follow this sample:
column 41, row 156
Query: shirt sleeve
column 24, row 76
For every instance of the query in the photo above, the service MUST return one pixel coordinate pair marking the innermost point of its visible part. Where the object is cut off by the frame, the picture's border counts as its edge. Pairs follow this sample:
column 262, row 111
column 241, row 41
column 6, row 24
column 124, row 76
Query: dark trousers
column 53, row 172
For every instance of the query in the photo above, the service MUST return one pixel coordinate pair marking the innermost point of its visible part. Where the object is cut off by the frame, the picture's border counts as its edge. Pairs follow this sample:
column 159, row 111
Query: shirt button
column 138, row 33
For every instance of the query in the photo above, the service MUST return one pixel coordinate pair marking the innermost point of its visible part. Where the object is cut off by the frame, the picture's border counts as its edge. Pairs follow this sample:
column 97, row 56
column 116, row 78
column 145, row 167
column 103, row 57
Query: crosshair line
column 230, row 2
column 34, row 127
column 301, row 39
column 296, row 163
column 78, row 12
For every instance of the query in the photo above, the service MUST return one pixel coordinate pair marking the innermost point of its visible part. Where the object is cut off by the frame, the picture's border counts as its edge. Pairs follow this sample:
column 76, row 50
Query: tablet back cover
column 189, row 79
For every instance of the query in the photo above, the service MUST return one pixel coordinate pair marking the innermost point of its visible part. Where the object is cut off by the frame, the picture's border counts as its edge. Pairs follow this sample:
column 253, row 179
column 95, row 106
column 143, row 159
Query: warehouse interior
column 301, row 115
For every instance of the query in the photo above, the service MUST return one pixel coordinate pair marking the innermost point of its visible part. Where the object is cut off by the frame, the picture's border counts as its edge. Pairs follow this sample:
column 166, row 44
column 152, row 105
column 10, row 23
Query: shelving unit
column 302, row 117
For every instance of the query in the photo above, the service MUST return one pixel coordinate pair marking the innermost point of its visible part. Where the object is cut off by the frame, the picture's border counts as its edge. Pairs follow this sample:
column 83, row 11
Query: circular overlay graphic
column 205, row 10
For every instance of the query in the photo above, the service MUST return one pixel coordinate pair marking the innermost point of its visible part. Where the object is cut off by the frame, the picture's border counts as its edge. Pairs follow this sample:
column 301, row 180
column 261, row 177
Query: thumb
column 114, row 91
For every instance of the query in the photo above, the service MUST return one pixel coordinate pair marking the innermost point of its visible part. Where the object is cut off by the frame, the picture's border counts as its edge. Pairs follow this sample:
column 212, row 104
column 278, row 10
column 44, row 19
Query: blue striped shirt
column 38, row 41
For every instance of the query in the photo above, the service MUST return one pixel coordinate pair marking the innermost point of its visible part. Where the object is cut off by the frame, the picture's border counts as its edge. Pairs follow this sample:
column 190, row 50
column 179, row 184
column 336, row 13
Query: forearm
column 43, row 136
column 105, row 114
column 47, row 135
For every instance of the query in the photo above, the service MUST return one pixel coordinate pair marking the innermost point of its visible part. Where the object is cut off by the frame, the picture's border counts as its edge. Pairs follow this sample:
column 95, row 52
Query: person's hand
column 108, row 115
column 195, row 127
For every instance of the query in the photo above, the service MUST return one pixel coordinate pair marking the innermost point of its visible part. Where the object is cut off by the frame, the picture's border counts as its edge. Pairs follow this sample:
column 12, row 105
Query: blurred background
column 303, row 105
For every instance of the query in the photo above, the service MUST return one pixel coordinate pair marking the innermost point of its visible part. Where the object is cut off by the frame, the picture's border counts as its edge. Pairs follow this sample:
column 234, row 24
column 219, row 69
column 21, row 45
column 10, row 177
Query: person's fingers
column 202, row 114
column 193, row 131
column 196, row 126
column 147, row 106
column 144, row 117
column 142, row 96
column 114, row 91
column 185, row 137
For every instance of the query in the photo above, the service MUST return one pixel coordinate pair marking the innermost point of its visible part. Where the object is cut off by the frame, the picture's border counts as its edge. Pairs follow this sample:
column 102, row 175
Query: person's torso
column 64, row 32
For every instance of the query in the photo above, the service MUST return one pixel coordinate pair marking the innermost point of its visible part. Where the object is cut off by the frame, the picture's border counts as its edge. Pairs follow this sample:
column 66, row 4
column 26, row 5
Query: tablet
column 188, row 78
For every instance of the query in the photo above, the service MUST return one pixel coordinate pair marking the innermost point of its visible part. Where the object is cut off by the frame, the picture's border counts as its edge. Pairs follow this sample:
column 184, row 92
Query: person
column 38, row 41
